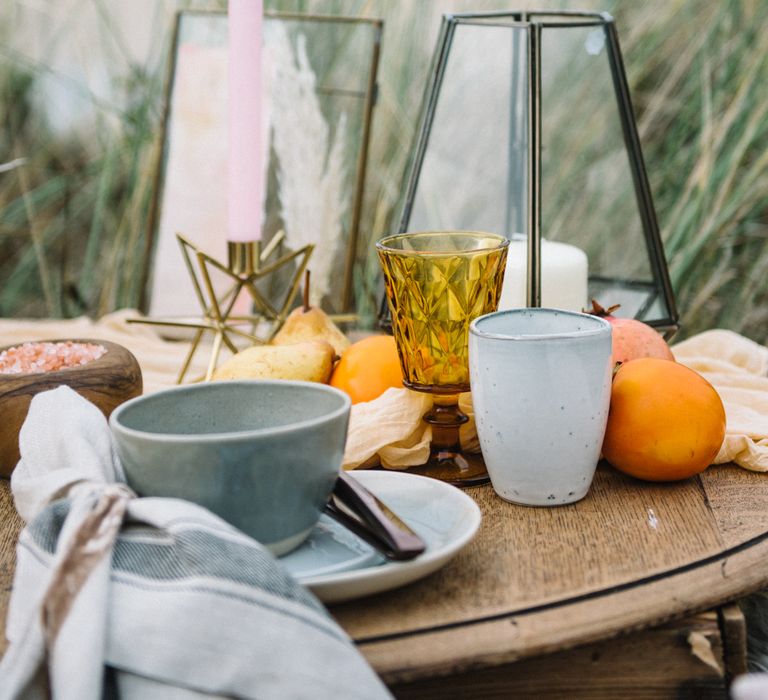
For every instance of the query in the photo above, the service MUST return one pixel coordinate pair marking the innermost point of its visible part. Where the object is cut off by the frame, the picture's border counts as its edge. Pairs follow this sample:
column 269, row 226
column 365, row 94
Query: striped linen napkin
column 150, row 598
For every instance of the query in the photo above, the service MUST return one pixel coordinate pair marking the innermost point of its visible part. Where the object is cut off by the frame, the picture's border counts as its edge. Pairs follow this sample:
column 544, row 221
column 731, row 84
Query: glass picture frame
column 320, row 84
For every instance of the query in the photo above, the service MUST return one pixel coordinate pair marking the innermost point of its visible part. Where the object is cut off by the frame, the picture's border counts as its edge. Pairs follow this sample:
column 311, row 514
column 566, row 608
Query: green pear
column 309, row 361
column 308, row 324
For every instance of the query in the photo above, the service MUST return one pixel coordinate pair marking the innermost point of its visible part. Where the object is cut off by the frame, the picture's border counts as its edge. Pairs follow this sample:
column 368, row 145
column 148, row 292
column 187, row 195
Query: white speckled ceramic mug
column 541, row 386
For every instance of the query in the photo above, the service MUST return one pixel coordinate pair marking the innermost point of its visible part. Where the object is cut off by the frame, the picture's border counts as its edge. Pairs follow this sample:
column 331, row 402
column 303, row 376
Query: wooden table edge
column 524, row 633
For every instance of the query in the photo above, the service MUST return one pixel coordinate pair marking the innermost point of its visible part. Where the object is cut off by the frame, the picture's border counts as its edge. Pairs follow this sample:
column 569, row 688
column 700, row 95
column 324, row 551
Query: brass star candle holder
column 248, row 264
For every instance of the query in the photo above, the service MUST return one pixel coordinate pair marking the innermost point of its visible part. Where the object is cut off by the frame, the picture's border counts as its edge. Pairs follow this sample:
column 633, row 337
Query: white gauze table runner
column 150, row 598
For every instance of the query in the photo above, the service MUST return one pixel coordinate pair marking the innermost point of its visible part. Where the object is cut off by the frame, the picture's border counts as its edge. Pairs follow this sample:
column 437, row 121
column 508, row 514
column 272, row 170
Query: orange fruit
column 368, row 368
column 666, row 422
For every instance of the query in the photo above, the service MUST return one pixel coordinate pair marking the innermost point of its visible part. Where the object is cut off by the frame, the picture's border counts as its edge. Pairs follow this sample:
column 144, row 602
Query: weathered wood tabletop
column 535, row 580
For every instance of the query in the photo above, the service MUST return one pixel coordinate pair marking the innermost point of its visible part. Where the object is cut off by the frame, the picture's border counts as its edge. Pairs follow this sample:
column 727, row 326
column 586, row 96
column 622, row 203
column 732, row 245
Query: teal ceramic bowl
column 263, row 454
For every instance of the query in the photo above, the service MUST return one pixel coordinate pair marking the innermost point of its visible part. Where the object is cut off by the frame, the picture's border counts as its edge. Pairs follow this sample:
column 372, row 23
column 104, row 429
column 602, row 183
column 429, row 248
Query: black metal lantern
column 527, row 130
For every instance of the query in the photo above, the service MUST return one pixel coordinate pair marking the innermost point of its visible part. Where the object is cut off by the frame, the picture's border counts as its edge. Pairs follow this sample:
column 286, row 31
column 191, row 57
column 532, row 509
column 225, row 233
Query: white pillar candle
column 563, row 276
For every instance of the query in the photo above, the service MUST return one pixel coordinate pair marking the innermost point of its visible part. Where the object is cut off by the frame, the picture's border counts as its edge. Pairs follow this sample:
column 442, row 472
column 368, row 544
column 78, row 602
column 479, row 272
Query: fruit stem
column 305, row 299
column 598, row 310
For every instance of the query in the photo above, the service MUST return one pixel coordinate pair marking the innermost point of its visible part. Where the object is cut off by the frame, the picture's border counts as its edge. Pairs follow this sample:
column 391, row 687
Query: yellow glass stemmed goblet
column 437, row 282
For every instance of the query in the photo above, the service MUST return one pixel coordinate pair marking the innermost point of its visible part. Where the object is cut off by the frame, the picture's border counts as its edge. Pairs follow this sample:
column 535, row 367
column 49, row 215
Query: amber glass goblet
column 437, row 282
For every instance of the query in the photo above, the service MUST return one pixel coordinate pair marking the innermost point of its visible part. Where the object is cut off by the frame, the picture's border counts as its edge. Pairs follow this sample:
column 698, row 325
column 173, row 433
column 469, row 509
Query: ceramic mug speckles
column 541, row 386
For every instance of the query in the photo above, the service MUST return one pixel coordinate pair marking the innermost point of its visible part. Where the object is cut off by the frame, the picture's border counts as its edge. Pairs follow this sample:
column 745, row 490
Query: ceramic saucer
column 337, row 566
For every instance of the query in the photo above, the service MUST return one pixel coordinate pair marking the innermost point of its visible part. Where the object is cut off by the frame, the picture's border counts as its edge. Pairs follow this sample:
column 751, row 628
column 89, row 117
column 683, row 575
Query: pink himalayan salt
column 34, row 358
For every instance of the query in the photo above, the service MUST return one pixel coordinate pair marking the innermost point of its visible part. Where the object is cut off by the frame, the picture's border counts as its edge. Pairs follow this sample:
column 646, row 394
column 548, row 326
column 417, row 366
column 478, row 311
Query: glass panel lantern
column 527, row 130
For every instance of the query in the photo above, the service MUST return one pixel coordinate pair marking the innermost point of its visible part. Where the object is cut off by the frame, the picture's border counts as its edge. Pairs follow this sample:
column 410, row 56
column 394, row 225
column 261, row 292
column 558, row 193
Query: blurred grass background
column 81, row 90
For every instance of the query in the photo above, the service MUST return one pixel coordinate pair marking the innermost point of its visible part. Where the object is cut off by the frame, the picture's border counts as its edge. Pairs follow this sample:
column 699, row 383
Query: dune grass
column 73, row 217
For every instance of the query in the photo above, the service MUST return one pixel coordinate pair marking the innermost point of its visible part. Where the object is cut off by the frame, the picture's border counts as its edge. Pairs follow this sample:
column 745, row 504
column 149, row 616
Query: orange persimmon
column 666, row 422
column 368, row 368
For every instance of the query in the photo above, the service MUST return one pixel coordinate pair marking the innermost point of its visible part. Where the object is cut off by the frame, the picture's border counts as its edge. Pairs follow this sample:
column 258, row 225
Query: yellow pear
column 311, row 323
column 309, row 360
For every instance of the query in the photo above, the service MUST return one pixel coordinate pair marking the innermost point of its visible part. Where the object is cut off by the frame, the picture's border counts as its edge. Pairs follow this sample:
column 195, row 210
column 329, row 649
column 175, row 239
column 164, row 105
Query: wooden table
column 536, row 581
column 533, row 604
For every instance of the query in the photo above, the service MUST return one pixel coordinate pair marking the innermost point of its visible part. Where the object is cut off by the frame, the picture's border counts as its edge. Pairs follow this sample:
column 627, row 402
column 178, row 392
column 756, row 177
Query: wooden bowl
column 106, row 382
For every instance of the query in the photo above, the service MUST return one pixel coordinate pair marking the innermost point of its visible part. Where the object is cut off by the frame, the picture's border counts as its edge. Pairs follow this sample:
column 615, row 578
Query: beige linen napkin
column 738, row 368
column 390, row 430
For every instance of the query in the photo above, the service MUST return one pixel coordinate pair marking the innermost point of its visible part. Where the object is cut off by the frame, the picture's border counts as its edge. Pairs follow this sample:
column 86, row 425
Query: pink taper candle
column 246, row 171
